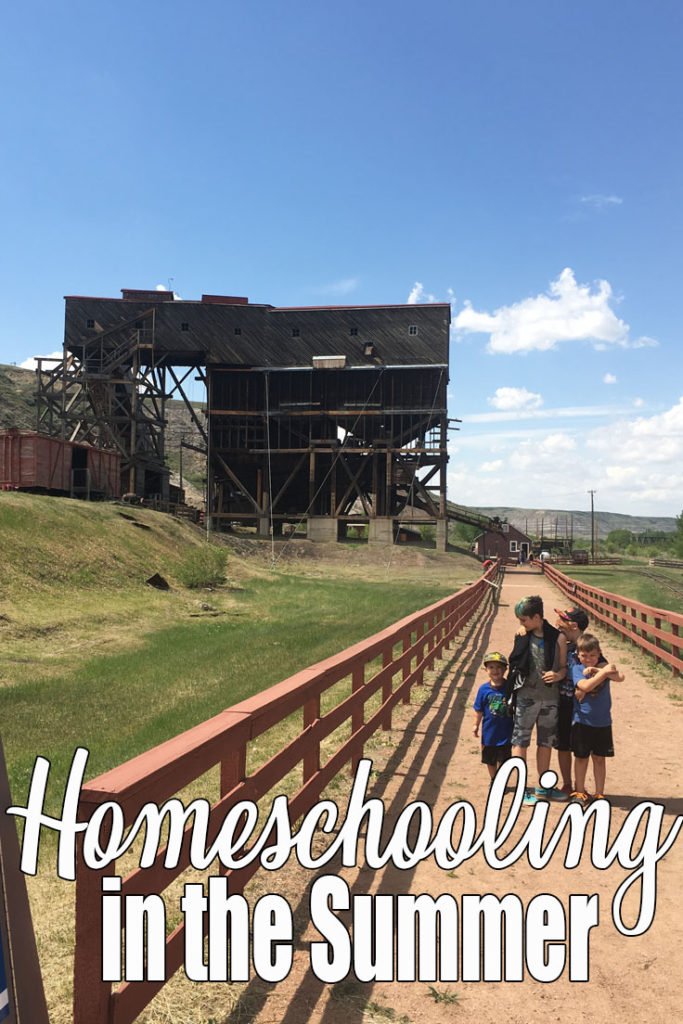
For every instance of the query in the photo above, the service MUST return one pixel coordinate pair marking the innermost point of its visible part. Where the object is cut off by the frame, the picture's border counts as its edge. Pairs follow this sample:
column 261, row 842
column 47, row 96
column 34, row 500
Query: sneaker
column 580, row 798
column 529, row 797
column 551, row 794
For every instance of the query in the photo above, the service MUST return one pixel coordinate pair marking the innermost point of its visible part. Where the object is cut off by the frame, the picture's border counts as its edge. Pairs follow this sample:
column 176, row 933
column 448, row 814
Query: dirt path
column 436, row 759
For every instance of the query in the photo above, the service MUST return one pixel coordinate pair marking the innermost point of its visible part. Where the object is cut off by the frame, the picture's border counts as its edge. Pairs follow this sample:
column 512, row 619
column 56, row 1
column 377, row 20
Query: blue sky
column 522, row 160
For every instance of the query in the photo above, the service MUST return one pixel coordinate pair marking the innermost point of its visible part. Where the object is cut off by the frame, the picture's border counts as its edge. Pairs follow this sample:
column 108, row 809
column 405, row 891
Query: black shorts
column 592, row 739
column 496, row 755
column 565, row 712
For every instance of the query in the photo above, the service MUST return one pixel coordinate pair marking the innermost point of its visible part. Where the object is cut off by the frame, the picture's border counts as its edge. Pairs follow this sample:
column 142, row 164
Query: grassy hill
column 530, row 519
column 84, row 638
column 17, row 402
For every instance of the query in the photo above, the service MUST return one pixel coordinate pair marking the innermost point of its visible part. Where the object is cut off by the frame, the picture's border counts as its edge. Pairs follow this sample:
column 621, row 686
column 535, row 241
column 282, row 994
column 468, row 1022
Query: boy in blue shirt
column 591, row 734
column 493, row 714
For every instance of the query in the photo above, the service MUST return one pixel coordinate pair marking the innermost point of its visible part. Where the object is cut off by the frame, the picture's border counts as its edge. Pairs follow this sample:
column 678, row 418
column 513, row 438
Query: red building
column 507, row 544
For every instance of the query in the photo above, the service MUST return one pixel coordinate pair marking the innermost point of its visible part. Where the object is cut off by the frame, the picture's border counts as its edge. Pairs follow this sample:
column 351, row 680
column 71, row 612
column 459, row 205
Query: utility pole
column 592, row 528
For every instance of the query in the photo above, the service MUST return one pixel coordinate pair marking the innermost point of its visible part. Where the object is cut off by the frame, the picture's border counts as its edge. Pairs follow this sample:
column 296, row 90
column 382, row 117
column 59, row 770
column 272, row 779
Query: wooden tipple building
column 327, row 416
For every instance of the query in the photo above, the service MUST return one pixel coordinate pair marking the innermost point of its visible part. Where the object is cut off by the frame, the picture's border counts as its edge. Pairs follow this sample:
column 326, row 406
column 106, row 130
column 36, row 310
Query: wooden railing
column 654, row 630
column 407, row 649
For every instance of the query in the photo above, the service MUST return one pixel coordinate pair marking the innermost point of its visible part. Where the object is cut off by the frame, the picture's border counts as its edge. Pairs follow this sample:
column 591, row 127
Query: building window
column 238, row 330
column 353, row 331
column 90, row 324
column 184, row 327
column 513, row 547
column 412, row 329
column 296, row 332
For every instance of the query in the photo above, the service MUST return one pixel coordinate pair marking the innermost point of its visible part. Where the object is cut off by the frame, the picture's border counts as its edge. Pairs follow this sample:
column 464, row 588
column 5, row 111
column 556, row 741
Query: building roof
column 230, row 330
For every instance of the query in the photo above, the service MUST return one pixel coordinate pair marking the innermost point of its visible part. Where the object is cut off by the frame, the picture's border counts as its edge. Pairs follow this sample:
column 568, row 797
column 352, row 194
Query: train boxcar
column 36, row 462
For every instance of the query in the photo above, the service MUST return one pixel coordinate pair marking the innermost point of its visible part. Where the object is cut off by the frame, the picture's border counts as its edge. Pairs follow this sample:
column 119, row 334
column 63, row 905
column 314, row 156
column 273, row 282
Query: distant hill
column 17, row 402
column 531, row 520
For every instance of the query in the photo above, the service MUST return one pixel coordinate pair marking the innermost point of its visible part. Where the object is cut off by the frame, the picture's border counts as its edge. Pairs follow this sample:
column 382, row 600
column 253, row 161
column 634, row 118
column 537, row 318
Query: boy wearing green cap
column 493, row 715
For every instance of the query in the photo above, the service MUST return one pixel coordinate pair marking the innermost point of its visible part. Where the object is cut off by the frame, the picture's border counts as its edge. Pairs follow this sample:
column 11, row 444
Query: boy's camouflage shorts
column 530, row 712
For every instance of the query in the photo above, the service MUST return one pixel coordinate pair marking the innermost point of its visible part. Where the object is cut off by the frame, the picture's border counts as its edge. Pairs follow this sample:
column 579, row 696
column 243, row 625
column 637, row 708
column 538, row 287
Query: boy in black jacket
column 537, row 663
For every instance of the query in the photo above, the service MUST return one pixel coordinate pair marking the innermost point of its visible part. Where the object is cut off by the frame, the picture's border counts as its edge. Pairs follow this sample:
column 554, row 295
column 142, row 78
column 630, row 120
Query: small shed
column 508, row 544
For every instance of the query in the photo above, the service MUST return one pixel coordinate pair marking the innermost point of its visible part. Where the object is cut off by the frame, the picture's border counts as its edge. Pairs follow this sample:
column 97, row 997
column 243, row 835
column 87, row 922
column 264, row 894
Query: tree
column 679, row 535
column 619, row 540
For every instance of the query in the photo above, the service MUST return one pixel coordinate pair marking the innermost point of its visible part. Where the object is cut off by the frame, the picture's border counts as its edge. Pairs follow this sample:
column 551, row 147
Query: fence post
column 406, row 667
column 675, row 648
column 634, row 627
column 312, row 756
column 431, row 643
column 92, row 996
column 233, row 768
column 438, row 636
column 419, row 640
column 658, row 641
column 358, row 714
column 387, row 686
column 448, row 618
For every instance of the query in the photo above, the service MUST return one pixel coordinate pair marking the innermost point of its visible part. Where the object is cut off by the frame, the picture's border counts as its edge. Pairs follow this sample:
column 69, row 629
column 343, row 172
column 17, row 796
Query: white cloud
column 163, row 288
column 566, row 412
column 418, row 294
column 638, row 403
column 634, row 463
column 31, row 364
column 555, row 444
column 491, row 467
column 508, row 399
column 609, row 378
column 601, row 202
column 566, row 312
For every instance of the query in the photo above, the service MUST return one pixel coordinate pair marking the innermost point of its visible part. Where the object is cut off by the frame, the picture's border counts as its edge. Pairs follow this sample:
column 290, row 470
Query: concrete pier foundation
column 381, row 530
column 322, row 529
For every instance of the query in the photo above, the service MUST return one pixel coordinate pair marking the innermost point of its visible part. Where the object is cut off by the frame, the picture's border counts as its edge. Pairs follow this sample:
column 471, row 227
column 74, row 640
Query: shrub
column 202, row 567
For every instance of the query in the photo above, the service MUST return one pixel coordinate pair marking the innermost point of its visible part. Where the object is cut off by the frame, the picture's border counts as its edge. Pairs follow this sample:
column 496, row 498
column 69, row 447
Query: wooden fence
column 406, row 649
column 654, row 630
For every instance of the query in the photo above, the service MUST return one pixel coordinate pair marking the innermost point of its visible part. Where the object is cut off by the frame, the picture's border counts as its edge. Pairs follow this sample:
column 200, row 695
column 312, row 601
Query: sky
column 520, row 160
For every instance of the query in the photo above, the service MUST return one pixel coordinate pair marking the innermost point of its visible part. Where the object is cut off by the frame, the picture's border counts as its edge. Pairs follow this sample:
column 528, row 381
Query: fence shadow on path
column 436, row 727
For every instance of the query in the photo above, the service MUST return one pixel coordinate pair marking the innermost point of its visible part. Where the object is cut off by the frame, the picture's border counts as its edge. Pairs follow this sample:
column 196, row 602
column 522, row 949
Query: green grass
column 202, row 567
column 121, row 704
column 53, row 545
column 443, row 995
column 629, row 582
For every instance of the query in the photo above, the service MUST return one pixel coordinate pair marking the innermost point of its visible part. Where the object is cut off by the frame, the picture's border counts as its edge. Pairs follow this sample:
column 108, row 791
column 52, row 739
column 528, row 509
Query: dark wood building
column 330, row 415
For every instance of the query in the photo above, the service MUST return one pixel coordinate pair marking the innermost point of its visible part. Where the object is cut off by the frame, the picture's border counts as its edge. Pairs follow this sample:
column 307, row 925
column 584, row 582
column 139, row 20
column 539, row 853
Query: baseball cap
column 576, row 615
column 495, row 656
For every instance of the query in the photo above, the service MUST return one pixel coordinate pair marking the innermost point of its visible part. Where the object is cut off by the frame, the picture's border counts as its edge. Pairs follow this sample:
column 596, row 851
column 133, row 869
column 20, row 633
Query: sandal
column 580, row 798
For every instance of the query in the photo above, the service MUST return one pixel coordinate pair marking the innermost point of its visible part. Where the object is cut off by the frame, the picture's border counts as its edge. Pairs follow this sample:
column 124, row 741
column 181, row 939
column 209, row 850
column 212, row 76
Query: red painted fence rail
column 407, row 649
column 637, row 622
